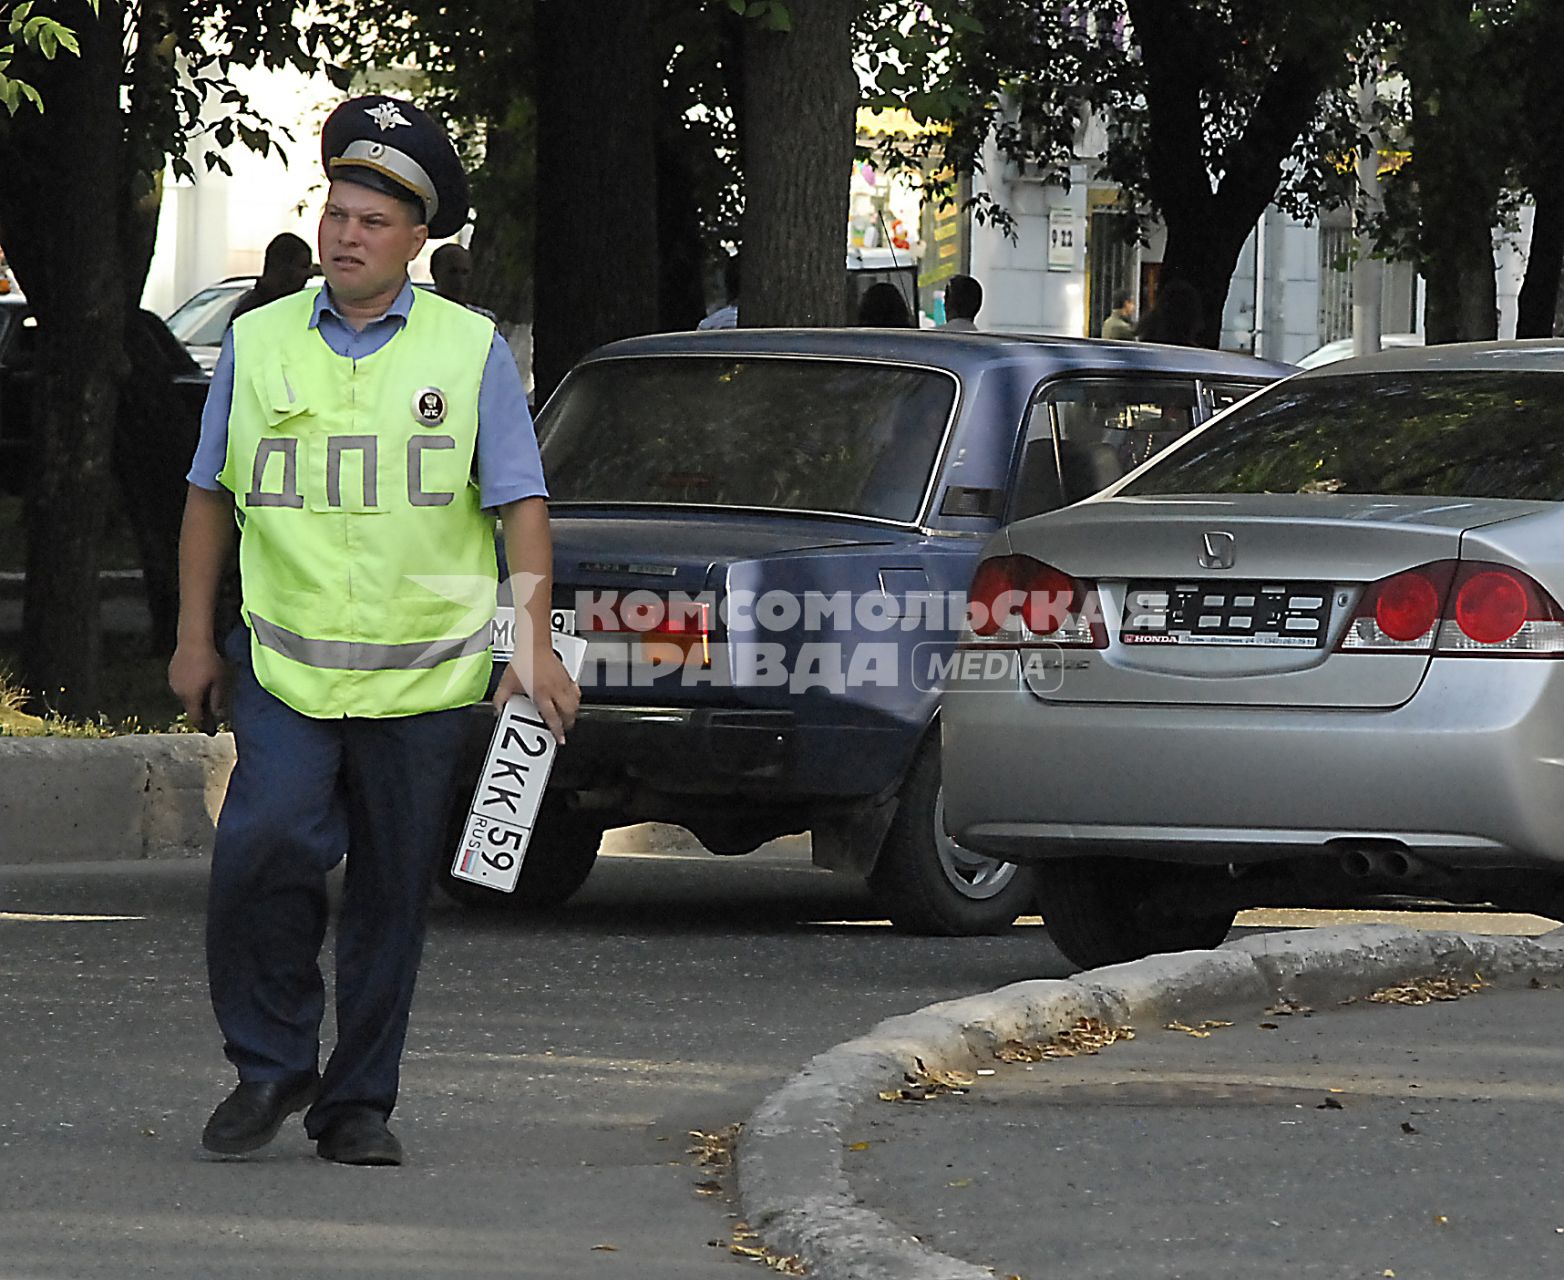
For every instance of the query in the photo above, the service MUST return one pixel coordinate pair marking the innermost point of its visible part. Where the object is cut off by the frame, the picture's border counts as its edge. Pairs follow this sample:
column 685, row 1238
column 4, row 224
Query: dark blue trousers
column 304, row 794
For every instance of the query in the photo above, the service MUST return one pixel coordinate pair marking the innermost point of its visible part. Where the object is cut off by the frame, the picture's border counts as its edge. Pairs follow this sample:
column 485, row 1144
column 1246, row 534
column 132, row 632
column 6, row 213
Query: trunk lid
column 1242, row 600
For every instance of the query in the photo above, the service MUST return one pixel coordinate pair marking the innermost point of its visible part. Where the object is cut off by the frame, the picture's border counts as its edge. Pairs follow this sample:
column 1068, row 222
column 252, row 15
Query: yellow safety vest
column 367, row 565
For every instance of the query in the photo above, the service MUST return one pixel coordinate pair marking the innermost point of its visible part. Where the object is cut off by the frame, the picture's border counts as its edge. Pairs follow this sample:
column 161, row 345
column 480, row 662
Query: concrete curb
column 792, row 1185
column 90, row 800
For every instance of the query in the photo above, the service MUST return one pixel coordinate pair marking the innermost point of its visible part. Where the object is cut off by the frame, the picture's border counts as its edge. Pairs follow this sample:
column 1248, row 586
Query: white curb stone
column 1324, row 966
column 1163, row 988
column 91, row 800
column 792, row 1182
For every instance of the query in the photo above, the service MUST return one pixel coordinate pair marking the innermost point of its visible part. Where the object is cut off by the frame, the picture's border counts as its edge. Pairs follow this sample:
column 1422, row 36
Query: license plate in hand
column 510, row 789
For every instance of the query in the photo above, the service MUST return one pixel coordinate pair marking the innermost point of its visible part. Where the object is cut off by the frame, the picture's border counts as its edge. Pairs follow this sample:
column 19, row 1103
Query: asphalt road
column 1423, row 1143
column 554, row 1072
column 555, row 1069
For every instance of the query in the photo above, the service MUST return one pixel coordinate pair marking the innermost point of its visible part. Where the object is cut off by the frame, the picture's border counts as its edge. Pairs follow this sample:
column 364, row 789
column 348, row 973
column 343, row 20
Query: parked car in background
column 1341, row 349
column 765, row 538
column 154, row 354
column 202, row 319
column 1311, row 651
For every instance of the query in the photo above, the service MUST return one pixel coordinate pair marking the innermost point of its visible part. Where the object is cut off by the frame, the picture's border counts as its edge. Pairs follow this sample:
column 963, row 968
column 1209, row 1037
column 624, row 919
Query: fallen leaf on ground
column 1087, row 1036
column 605, row 1248
column 857, row 1146
column 1268, row 1026
column 1407, row 1128
column 708, row 1188
column 714, row 1150
column 1427, row 990
column 960, row 1182
column 1330, row 1104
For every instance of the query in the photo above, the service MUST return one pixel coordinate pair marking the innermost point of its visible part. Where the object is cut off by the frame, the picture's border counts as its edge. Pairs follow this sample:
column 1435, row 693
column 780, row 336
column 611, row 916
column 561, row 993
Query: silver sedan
column 1310, row 652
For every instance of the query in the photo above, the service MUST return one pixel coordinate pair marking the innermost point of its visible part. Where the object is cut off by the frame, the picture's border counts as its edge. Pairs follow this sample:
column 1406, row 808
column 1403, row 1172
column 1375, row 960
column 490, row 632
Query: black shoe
column 359, row 1137
column 249, row 1117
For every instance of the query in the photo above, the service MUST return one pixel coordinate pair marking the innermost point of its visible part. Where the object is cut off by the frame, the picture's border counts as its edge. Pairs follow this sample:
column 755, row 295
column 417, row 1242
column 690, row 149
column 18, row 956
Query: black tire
column 560, row 857
column 1110, row 910
column 927, row 883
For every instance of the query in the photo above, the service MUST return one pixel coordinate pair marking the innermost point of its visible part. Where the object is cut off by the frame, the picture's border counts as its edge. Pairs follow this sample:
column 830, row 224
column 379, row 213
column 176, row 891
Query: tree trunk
column 1207, row 226
column 1539, row 298
column 681, row 298
column 1197, row 254
column 78, row 295
column 800, row 98
column 505, row 198
column 596, row 277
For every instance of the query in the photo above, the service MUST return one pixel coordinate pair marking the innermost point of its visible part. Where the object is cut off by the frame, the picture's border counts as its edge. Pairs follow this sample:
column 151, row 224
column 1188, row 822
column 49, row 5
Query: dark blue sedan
column 766, row 538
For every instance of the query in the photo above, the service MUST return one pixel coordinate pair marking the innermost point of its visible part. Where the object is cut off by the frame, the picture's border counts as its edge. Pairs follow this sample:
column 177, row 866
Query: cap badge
column 429, row 406
column 387, row 115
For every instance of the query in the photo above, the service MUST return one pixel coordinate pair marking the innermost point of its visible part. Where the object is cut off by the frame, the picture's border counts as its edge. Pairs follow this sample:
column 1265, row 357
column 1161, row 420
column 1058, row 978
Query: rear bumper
column 1469, row 773
column 771, row 756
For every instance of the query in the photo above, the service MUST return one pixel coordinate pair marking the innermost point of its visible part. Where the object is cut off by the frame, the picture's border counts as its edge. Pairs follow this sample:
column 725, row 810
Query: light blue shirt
column 509, row 468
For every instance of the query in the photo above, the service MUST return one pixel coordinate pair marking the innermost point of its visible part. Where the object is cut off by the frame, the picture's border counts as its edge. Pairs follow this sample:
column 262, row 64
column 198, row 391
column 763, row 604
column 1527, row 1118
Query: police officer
column 361, row 437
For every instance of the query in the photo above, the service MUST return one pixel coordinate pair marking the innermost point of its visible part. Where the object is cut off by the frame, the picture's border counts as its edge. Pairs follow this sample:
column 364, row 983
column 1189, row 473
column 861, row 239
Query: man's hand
column 197, row 675
column 540, row 675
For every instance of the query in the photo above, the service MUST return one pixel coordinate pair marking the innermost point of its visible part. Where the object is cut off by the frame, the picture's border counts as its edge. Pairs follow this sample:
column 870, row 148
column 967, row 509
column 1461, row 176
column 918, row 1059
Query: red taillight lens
column 1457, row 609
column 1400, row 614
column 1051, row 597
column 1407, row 606
column 987, row 605
column 1492, row 606
column 1034, row 601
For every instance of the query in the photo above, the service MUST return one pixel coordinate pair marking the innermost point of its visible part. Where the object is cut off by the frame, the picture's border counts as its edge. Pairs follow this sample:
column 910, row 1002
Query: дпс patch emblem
column 429, row 406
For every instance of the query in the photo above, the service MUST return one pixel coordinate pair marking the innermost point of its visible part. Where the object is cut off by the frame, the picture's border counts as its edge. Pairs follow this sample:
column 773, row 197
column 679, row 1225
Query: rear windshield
column 799, row 435
column 1428, row 434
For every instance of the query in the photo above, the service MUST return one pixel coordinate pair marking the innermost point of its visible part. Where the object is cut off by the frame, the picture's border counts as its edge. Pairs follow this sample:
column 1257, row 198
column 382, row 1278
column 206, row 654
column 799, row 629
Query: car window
column 1224, row 395
column 1084, row 434
column 202, row 321
column 793, row 434
column 1435, row 434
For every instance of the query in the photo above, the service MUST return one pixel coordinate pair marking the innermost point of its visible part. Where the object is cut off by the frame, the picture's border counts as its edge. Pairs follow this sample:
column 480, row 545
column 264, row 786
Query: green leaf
column 779, row 19
column 738, row 6
column 19, row 15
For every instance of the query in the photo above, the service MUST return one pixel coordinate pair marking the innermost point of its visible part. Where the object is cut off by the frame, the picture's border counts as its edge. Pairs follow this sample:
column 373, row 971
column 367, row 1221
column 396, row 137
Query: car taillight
column 1498, row 610
column 1454, row 609
column 1400, row 614
column 1016, row 599
column 660, row 622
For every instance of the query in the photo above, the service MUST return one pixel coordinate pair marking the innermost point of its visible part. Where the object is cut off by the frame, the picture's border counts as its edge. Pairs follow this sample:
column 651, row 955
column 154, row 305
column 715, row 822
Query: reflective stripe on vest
column 357, row 655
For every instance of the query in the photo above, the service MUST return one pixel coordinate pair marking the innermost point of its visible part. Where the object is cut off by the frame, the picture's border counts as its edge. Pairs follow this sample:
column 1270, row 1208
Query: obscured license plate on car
column 1284, row 615
column 503, row 639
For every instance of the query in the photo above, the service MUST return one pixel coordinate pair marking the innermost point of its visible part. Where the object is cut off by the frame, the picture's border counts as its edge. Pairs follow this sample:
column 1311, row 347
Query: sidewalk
column 1360, row 1141
column 1291, row 1104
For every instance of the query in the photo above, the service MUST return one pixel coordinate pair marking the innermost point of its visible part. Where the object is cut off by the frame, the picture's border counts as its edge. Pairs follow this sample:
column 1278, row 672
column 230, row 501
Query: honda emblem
column 1216, row 550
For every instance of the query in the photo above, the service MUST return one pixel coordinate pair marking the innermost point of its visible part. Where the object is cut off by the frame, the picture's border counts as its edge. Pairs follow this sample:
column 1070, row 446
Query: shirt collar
column 401, row 308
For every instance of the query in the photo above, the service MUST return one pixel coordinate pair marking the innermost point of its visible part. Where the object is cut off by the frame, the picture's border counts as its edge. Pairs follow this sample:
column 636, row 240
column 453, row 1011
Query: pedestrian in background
column 285, row 269
column 451, row 267
column 1120, row 321
column 366, row 491
column 963, row 300
column 1176, row 317
column 727, row 315
column 883, row 307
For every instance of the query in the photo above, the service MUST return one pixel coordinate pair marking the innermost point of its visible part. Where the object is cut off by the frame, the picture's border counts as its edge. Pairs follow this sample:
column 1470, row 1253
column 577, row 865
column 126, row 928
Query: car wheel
column 926, row 882
column 1109, row 910
column 560, row 857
